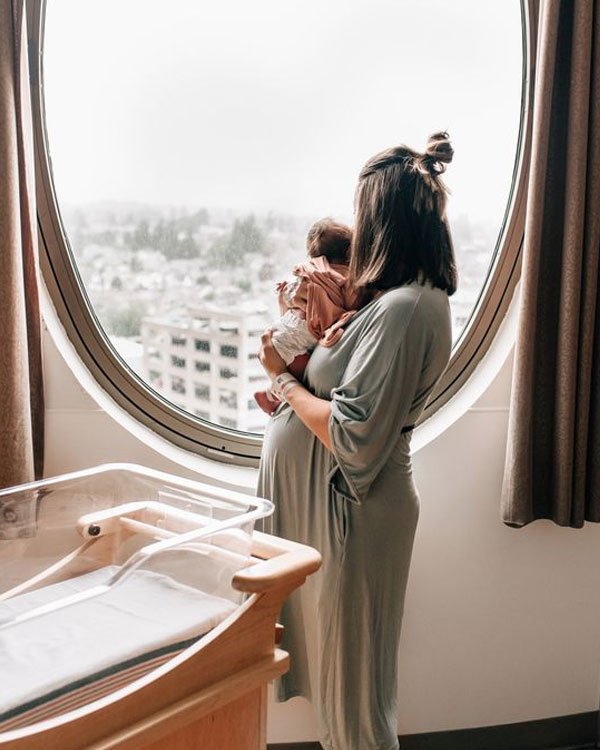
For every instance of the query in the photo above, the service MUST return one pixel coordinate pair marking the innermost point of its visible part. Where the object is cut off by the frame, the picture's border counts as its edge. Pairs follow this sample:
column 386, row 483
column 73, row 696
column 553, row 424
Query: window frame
column 129, row 391
column 505, row 268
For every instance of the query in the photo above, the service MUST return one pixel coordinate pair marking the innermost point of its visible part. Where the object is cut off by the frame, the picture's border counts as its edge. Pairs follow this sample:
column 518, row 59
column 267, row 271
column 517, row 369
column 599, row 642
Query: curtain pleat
column 552, row 469
column 21, row 383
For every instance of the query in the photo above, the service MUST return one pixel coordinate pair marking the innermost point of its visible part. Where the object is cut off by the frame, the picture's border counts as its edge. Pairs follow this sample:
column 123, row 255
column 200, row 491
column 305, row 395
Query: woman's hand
column 314, row 412
column 268, row 356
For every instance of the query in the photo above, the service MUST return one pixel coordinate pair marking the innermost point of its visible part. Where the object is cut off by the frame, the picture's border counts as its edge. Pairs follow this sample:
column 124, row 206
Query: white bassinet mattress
column 137, row 620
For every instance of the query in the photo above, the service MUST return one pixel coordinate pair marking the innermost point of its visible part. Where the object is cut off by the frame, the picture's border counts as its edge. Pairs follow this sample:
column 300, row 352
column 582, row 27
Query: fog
column 275, row 104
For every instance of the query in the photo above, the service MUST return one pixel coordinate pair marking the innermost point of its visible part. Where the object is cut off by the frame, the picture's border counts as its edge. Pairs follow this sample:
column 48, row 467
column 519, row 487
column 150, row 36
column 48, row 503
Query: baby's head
column 331, row 239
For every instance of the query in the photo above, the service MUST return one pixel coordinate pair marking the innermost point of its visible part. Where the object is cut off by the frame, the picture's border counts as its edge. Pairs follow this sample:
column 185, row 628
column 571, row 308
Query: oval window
column 193, row 145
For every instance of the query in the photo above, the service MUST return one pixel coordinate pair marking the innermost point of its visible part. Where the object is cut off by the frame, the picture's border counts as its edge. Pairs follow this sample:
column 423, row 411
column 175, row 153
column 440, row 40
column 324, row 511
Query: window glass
column 227, row 350
column 177, row 361
column 193, row 145
column 202, row 392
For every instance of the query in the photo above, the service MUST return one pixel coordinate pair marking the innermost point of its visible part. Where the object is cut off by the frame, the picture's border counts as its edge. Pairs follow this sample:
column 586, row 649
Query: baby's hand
column 281, row 285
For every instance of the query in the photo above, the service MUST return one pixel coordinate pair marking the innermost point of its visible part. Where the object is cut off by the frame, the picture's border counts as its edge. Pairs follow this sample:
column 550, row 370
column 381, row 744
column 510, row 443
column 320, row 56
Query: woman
column 336, row 457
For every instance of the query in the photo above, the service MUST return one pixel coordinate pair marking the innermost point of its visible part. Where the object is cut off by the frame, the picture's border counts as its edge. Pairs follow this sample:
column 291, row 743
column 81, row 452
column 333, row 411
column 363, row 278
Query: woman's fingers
column 265, row 341
column 266, row 336
column 268, row 355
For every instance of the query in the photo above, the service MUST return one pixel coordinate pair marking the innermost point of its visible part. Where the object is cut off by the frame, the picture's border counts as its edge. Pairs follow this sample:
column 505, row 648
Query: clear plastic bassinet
column 107, row 573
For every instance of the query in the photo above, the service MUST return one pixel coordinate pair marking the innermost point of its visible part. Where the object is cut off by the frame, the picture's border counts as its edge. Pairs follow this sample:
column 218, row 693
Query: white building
column 206, row 362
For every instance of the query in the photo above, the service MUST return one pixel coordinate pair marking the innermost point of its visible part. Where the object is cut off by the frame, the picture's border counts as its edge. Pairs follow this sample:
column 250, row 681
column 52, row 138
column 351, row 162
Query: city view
column 184, row 295
column 192, row 148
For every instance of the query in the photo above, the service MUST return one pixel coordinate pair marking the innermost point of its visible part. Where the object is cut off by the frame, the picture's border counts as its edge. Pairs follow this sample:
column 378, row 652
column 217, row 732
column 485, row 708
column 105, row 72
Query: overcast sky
column 275, row 104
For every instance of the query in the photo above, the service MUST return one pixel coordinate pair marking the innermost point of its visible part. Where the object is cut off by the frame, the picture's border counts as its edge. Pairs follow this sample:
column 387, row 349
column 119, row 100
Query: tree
column 266, row 272
column 126, row 321
column 186, row 247
column 190, row 223
column 135, row 264
column 172, row 237
column 141, row 236
column 249, row 234
column 245, row 237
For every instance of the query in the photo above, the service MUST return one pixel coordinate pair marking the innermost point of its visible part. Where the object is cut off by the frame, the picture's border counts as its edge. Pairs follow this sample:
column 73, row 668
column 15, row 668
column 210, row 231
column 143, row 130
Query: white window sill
column 243, row 478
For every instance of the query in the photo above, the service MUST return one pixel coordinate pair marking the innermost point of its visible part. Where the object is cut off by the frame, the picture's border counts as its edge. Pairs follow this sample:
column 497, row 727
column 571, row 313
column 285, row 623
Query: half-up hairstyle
column 401, row 233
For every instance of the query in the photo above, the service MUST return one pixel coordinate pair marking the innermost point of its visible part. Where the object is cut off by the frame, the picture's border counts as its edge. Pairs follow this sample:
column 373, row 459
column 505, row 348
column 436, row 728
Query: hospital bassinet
column 137, row 610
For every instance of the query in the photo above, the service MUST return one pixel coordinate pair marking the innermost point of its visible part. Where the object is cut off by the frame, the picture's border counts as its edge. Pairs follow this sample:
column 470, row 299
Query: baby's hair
column 331, row 239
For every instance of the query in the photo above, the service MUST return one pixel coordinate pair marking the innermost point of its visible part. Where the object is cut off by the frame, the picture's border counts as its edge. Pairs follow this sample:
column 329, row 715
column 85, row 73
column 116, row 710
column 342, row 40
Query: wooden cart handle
column 281, row 562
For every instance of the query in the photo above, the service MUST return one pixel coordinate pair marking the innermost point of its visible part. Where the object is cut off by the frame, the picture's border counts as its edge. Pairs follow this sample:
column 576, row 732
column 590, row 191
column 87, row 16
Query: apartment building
column 206, row 362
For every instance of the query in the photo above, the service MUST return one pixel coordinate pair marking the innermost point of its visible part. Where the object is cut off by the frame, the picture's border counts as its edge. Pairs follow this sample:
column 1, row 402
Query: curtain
column 21, row 386
column 552, row 465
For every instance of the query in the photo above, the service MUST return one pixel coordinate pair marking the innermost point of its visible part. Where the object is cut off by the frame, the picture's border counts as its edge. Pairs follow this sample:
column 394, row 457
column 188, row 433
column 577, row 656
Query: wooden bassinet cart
column 208, row 692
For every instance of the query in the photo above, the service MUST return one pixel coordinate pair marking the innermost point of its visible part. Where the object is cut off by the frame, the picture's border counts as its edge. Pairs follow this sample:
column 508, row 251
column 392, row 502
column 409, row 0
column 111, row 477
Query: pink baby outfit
column 314, row 307
column 329, row 297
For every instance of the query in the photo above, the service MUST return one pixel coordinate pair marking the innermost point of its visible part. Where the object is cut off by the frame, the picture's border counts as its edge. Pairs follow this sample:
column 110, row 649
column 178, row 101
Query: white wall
column 501, row 624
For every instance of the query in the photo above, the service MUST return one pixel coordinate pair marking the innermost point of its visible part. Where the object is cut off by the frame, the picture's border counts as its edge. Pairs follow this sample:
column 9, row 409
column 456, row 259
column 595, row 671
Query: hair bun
column 438, row 152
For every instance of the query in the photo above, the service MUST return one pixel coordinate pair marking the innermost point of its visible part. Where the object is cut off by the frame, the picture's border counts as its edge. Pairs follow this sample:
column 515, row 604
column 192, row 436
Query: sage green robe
column 358, row 506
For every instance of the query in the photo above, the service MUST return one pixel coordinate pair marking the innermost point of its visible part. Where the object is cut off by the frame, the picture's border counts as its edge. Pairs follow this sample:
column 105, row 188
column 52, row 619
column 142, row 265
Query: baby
column 316, row 304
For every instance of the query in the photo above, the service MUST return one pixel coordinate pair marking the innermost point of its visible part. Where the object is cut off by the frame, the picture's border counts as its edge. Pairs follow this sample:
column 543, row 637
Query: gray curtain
column 21, row 386
column 553, row 455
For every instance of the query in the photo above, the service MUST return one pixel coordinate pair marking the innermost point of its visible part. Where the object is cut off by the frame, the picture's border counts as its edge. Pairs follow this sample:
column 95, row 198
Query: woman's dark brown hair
column 401, row 233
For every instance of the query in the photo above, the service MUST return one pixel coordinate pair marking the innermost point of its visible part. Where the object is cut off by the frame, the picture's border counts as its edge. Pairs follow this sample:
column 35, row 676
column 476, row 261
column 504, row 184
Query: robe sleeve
column 370, row 406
